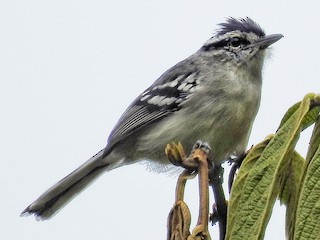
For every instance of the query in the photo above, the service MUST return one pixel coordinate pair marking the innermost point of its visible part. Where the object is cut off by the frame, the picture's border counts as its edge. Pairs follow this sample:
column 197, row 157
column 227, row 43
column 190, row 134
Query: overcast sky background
column 68, row 69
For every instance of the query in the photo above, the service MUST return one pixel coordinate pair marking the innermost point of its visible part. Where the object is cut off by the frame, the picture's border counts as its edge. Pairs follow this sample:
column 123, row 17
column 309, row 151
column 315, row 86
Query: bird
column 213, row 95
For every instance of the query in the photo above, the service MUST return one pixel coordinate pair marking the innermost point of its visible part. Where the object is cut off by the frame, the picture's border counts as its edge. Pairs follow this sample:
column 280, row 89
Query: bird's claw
column 204, row 146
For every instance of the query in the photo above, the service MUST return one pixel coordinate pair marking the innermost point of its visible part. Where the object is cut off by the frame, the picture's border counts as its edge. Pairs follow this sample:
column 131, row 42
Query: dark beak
column 265, row 41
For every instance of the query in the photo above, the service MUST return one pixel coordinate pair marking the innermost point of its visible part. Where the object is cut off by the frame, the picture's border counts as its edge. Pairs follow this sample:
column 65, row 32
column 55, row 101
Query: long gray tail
column 56, row 197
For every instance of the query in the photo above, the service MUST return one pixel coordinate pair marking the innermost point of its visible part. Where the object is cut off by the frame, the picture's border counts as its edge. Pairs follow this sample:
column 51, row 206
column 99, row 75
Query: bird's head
column 239, row 42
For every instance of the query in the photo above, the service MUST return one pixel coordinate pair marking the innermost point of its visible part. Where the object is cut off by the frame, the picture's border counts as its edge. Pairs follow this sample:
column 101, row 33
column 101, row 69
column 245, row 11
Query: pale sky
column 68, row 69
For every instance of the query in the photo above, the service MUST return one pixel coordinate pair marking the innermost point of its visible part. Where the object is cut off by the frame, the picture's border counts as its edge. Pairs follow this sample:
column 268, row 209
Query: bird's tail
column 51, row 201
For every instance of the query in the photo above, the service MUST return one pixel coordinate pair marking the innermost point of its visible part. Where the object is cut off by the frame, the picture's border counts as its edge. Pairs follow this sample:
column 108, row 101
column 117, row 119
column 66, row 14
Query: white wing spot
column 181, row 86
column 191, row 90
column 144, row 97
column 190, row 78
column 144, row 93
column 156, row 100
column 161, row 100
column 173, row 83
column 187, row 87
column 168, row 101
column 179, row 100
column 198, row 81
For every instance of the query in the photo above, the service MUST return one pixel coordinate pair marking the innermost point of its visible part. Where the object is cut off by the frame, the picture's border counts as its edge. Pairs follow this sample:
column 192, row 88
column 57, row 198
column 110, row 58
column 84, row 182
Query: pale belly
column 226, row 131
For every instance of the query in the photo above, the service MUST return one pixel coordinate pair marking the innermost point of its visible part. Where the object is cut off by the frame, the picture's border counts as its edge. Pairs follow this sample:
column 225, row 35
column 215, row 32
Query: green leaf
column 314, row 141
column 307, row 224
column 308, row 211
column 249, row 162
column 311, row 116
column 289, row 190
column 289, row 113
column 258, row 182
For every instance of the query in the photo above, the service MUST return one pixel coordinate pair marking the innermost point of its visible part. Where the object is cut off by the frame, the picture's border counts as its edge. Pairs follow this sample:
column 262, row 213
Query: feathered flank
column 242, row 25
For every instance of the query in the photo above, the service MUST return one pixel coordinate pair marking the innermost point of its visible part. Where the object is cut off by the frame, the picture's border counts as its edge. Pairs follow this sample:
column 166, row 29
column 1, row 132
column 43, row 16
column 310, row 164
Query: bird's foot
column 177, row 156
column 204, row 146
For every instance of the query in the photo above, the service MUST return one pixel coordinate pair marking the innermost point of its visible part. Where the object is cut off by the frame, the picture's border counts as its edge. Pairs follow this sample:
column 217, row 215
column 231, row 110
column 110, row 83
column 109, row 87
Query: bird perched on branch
column 213, row 95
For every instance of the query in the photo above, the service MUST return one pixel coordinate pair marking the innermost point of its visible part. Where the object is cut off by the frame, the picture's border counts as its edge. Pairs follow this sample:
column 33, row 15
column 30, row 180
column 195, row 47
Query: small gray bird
column 213, row 95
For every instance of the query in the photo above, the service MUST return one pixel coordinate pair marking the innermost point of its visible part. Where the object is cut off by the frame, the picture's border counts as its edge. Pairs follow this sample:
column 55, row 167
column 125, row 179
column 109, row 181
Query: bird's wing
column 164, row 97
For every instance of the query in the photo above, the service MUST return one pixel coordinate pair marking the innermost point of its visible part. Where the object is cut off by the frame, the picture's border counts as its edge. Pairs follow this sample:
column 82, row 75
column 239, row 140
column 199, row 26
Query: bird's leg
column 236, row 163
column 220, row 207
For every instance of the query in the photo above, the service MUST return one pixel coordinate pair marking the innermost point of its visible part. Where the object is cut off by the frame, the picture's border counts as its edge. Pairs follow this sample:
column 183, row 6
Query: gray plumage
column 213, row 95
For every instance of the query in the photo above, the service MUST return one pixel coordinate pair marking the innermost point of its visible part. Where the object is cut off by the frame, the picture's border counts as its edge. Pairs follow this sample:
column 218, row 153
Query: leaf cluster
column 274, row 169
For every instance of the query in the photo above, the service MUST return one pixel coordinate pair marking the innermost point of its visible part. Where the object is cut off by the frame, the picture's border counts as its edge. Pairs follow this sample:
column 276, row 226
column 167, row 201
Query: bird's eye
column 235, row 42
